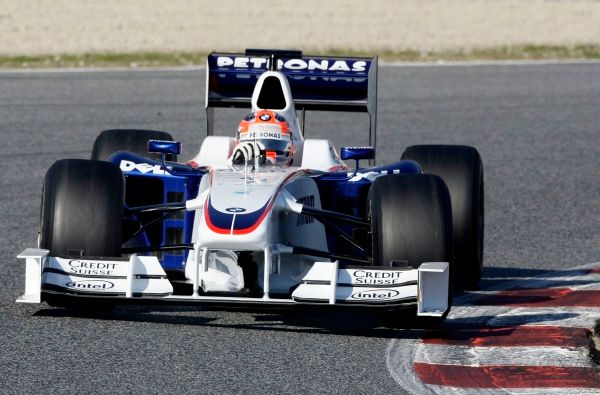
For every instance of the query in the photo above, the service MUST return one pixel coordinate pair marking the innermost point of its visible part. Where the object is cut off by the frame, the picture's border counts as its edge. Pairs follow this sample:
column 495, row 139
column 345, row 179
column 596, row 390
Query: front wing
column 142, row 279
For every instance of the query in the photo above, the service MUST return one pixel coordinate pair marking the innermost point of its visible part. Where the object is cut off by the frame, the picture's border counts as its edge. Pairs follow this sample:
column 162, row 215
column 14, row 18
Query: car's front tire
column 82, row 208
column 411, row 220
column 411, row 223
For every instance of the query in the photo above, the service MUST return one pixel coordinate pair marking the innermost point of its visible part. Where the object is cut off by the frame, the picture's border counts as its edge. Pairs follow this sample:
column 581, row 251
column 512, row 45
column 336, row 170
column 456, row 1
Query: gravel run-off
column 49, row 27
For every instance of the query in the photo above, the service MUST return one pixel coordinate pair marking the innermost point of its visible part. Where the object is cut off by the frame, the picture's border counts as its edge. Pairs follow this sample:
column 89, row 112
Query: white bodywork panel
column 321, row 292
column 214, row 151
column 251, row 192
column 290, row 228
column 434, row 278
column 34, row 261
column 362, row 277
column 222, row 272
column 288, row 112
column 319, row 154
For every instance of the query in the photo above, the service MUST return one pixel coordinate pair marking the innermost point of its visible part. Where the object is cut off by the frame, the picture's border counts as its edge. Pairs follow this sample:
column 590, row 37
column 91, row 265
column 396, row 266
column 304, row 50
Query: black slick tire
column 411, row 220
column 461, row 169
column 411, row 223
column 82, row 208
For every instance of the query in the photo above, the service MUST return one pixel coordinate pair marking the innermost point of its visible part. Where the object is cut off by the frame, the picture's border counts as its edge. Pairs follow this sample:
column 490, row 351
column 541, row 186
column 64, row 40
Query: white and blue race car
column 134, row 225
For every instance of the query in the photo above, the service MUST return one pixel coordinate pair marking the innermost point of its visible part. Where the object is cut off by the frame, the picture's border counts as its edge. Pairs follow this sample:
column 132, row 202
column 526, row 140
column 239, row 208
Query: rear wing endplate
column 318, row 83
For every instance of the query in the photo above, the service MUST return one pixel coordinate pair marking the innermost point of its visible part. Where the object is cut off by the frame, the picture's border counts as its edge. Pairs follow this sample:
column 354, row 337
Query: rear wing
column 318, row 83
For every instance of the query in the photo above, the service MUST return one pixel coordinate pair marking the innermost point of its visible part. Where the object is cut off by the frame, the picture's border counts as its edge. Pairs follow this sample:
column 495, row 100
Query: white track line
column 575, row 282
column 575, row 317
column 499, row 356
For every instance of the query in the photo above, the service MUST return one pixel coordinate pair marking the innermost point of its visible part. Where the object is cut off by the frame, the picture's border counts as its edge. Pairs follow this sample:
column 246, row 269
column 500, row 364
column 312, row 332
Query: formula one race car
column 134, row 225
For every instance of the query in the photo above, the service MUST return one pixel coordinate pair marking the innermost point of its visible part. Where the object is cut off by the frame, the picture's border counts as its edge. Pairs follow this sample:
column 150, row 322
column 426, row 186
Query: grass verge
column 166, row 59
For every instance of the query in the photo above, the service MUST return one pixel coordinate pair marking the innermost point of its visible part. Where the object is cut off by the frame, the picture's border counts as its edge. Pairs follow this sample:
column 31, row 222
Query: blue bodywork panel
column 162, row 187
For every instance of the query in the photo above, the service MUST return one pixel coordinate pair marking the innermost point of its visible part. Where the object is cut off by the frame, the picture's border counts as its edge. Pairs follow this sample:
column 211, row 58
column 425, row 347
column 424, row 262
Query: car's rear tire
column 133, row 140
column 411, row 223
column 461, row 169
column 81, row 214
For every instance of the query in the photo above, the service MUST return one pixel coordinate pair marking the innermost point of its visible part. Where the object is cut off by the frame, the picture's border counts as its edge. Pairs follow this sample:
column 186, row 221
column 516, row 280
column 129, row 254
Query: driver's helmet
column 272, row 133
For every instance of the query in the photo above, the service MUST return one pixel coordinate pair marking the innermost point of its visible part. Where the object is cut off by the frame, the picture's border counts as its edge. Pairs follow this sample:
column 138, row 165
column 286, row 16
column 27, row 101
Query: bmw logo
column 235, row 210
column 265, row 117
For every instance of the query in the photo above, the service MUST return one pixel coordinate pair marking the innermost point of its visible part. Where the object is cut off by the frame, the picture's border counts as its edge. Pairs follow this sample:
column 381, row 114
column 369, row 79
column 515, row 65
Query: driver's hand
column 246, row 152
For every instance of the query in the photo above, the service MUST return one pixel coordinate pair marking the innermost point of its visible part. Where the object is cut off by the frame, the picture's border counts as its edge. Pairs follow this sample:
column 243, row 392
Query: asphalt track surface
column 536, row 126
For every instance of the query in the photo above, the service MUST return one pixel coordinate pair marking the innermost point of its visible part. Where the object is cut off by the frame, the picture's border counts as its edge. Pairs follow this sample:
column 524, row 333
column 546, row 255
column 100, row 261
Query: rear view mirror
column 357, row 153
column 164, row 147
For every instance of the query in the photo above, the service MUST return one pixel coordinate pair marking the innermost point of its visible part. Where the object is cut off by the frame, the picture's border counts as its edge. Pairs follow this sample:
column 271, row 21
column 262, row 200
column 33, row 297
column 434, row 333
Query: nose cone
column 235, row 220
column 239, row 204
